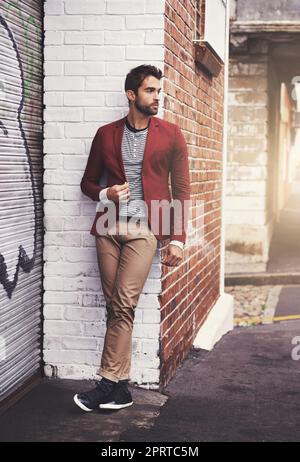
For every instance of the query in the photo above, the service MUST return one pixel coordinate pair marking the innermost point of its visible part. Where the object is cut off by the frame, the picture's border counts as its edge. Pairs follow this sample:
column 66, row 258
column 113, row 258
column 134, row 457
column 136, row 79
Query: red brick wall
column 193, row 101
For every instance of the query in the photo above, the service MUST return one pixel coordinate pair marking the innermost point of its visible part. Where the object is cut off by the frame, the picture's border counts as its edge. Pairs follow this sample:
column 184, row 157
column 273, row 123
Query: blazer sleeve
column 180, row 184
column 93, row 170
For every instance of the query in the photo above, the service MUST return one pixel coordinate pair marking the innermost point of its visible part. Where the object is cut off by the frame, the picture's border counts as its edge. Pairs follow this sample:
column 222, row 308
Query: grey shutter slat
column 21, row 200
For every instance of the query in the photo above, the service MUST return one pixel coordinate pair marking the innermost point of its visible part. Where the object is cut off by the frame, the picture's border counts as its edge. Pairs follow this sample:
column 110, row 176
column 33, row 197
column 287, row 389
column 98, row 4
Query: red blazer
column 165, row 153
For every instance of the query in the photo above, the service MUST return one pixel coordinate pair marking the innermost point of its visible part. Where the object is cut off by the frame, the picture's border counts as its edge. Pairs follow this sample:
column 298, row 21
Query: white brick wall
column 89, row 48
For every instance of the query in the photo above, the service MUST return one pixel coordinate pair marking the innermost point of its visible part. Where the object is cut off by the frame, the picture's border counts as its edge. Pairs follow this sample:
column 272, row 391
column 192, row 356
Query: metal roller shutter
column 21, row 201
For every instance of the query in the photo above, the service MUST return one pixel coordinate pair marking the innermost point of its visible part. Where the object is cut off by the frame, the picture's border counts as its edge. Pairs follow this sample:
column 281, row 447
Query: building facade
column 88, row 49
column 264, row 50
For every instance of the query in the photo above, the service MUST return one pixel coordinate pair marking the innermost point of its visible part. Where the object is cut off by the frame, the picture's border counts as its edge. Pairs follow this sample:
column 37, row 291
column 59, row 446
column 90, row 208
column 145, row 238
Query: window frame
column 205, row 53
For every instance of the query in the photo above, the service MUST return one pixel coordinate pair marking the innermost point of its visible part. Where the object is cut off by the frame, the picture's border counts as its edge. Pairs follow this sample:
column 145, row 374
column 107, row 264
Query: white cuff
column 178, row 243
column 103, row 196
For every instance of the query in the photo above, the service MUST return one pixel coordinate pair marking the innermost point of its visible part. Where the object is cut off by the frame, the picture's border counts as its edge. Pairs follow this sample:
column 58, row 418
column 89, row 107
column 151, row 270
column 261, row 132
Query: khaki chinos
column 124, row 258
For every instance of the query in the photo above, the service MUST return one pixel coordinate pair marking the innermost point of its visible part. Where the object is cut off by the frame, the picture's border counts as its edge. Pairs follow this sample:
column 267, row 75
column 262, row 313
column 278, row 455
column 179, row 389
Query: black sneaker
column 121, row 397
column 90, row 400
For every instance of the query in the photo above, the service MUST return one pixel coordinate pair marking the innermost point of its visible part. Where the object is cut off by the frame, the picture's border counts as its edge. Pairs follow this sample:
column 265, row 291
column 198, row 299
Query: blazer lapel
column 118, row 135
column 150, row 141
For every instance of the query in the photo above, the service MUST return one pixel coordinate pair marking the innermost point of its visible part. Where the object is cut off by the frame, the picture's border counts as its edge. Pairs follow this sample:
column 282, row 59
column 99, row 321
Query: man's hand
column 119, row 193
column 174, row 255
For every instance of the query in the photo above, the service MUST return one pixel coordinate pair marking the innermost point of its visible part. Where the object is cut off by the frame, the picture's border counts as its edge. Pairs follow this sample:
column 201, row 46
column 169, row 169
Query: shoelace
column 123, row 383
column 91, row 394
column 123, row 386
column 104, row 386
column 100, row 386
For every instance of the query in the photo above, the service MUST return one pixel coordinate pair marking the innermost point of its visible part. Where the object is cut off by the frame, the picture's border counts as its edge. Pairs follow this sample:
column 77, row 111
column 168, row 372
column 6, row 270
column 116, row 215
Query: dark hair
column 135, row 77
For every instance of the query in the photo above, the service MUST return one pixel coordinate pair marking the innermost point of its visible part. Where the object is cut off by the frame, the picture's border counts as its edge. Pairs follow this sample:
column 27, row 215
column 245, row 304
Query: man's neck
column 139, row 123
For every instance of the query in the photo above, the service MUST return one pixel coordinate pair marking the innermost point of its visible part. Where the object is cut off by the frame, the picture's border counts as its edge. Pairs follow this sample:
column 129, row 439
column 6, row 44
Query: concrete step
column 261, row 279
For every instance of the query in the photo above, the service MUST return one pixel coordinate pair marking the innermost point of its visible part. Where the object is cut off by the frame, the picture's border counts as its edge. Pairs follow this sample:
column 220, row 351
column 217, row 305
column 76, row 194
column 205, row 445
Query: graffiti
column 13, row 134
column 15, row 8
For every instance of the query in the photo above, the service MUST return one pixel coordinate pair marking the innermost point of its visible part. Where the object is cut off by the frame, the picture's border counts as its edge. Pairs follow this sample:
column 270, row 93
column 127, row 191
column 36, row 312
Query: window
column 199, row 19
column 210, row 34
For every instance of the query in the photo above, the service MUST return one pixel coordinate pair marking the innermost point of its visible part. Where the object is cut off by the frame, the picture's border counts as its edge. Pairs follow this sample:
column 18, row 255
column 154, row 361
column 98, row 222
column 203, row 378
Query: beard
column 146, row 110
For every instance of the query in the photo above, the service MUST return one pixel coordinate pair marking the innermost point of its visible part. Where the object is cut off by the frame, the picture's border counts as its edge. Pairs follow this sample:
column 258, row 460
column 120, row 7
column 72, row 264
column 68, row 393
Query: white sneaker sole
column 113, row 405
column 82, row 406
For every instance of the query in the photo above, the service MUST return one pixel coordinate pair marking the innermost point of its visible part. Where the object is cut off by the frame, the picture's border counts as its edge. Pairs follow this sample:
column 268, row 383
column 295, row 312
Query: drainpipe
column 225, row 137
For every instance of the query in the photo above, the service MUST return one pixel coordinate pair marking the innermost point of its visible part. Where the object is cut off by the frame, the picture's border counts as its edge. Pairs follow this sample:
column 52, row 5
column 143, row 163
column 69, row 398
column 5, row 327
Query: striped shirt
column 133, row 147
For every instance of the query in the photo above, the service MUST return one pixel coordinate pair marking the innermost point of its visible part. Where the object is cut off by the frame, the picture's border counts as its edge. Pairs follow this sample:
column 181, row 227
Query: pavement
column 245, row 390
column 284, row 254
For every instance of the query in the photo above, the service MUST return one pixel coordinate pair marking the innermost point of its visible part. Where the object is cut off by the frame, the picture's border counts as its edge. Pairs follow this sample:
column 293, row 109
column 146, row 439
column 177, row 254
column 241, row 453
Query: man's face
column 147, row 100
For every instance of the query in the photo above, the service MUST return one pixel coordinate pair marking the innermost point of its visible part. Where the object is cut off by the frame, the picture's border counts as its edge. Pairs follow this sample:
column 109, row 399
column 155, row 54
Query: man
column 137, row 152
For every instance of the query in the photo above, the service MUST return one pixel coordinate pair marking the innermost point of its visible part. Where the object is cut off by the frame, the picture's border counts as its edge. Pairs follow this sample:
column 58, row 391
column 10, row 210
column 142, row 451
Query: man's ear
column 130, row 95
